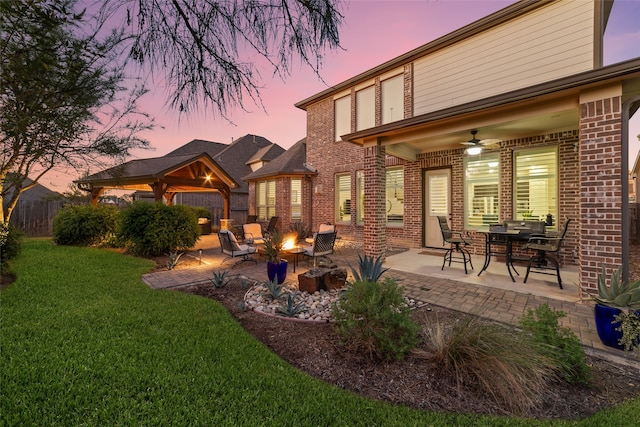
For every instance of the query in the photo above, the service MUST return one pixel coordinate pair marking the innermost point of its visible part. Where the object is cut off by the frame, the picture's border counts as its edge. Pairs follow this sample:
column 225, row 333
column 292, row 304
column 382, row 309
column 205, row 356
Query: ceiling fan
column 475, row 145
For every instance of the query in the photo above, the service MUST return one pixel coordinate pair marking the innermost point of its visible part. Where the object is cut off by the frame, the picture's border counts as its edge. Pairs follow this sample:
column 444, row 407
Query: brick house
column 386, row 144
column 283, row 188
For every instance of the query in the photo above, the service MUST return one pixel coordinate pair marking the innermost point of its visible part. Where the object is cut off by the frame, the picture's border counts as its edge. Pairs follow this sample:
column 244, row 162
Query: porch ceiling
column 506, row 122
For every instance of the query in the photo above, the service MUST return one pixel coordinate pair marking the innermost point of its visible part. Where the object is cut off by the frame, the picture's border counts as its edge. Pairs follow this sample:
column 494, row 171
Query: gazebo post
column 95, row 194
column 159, row 188
column 225, row 197
column 168, row 195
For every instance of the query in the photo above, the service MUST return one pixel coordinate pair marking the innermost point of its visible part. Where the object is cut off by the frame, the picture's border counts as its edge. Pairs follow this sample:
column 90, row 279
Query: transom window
column 482, row 190
column 266, row 199
column 536, row 183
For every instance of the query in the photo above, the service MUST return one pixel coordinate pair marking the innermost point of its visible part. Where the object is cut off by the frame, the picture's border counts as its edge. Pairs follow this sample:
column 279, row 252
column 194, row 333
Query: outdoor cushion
column 253, row 233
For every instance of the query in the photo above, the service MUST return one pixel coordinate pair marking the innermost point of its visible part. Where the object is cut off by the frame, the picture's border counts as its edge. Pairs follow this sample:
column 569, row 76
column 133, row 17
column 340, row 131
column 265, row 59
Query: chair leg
column 444, row 261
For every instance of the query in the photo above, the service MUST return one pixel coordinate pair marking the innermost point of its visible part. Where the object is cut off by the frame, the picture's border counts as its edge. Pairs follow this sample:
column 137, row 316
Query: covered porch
column 579, row 123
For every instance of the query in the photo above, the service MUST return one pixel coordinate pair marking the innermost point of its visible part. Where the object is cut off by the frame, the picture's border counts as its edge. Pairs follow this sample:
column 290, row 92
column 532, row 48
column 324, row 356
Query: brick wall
column 601, row 189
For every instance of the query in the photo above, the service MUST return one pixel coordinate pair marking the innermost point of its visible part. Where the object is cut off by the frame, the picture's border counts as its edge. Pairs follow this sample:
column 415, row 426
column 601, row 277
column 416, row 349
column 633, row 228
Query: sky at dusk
column 373, row 32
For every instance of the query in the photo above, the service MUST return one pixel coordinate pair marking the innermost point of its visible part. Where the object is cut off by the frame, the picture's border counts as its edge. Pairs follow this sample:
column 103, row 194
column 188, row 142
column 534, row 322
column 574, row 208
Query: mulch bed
column 414, row 381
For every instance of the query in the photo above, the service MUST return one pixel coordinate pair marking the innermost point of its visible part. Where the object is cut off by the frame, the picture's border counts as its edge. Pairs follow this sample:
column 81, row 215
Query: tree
column 63, row 101
column 207, row 49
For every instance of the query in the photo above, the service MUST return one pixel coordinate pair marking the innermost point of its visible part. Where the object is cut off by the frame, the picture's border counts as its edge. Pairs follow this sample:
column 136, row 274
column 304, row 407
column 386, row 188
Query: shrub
column 86, row 225
column 10, row 245
column 557, row 343
column 373, row 318
column 153, row 229
column 503, row 364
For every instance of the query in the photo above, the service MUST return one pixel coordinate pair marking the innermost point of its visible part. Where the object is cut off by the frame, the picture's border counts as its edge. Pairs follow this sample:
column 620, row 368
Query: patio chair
column 322, row 228
column 253, row 234
column 321, row 247
column 233, row 249
column 547, row 249
column 252, row 218
column 273, row 223
column 457, row 242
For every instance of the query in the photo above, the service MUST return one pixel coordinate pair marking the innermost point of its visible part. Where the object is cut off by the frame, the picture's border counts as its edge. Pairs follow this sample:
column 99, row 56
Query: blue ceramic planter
column 605, row 316
column 279, row 269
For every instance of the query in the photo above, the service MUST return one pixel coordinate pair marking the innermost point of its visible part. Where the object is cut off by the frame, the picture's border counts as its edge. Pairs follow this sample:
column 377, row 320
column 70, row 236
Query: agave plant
column 370, row 269
column 274, row 289
column 290, row 309
column 219, row 279
column 617, row 294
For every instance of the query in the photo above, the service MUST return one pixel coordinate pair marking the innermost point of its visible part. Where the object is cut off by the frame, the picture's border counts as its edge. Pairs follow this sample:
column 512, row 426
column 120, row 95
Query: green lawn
column 85, row 342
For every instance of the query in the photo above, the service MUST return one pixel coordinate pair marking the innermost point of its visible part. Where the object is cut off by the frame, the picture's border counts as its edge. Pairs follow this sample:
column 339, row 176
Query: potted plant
column 612, row 300
column 276, row 266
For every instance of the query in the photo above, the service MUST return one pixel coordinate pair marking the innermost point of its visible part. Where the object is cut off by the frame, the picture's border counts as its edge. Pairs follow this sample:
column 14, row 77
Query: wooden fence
column 35, row 217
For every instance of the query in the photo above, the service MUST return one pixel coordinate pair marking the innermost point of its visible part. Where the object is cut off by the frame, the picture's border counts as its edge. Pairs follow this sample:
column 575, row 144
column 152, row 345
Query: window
column 360, row 196
column 536, row 183
column 392, row 99
column 395, row 196
column 266, row 199
column 343, row 198
column 296, row 199
column 366, row 108
column 342, row 117
column 482, row 196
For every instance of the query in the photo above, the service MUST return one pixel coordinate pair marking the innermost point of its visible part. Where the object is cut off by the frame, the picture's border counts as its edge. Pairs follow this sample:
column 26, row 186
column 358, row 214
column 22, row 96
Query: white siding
column 546, row 44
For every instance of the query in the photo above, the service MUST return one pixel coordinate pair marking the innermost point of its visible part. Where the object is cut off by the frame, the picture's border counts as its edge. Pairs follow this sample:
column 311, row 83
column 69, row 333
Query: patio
column 492, row 295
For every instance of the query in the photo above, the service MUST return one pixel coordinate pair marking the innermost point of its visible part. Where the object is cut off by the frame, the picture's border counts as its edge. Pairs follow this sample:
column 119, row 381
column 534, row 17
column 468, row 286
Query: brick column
column 375, row 227
column 600, row 218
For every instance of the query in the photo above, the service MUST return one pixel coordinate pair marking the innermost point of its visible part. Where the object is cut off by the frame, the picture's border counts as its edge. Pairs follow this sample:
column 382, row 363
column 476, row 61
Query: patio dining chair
column 321, row 247
column 457, row 242
column 547, row 249
column 232, row 249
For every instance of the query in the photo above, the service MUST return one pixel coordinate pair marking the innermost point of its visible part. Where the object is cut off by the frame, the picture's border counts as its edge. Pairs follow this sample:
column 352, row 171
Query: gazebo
column 165, row 176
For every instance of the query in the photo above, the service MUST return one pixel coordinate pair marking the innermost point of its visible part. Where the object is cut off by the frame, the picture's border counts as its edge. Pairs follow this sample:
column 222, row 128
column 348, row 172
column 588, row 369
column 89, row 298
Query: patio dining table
column 504, row 236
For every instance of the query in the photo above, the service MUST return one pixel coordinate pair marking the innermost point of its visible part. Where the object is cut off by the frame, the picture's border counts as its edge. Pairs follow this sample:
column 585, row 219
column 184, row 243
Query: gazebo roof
column 181, row 173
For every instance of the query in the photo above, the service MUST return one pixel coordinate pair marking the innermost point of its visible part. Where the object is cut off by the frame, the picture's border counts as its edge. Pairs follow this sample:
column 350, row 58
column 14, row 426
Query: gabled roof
column 291, row 162
column 198, row 146
column 266, row 154
column 185, row 168
column 189, row 172
column 233, row 159
column 36, row 193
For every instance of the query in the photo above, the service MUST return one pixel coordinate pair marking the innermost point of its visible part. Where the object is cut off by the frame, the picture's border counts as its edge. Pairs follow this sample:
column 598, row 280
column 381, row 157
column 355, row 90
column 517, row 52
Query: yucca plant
column 617, row 294
column 370, row 269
